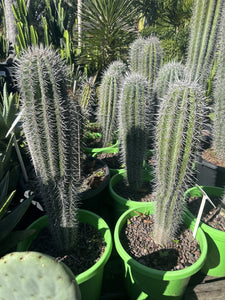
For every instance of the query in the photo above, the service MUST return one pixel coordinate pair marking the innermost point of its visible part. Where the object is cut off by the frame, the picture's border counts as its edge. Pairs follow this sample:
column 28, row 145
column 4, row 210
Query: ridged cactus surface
column 108, row 100
column 219, row 99
column 205, row 22
column 133, row 122
column 52, row 125
column 34, row 275
column 167, row 75
column 177, row 141
column 152, row 59
column 135, row 55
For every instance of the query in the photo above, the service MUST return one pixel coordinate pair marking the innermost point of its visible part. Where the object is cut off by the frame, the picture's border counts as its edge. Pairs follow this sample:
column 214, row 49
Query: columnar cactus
column 28, row 275
column 177, row 140
column 52, row 124
column 108, row 100
column 145, row 57
column 219, row 99
column 135, row 55
column 152, row 59
column 206, row 20
column 133, row 121
column 168, row 74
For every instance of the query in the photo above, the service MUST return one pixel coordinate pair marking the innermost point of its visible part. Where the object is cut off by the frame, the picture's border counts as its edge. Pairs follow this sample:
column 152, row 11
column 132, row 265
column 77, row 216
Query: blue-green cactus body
column 52, row 127
column 135, row 55
column 206, row 20
column 133, row 123
column 177, row 141
column 168, row 74
column 108, row 100
column 34, row 275
column 152, row 59
column 219, row 98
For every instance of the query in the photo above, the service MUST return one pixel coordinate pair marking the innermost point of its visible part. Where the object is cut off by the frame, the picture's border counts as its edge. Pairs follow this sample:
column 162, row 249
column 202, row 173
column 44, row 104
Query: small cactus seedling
column 133, row 118
column 108, row 100
column 206, row 20
column 52, row 124
column 33, row 275
column 177, row 140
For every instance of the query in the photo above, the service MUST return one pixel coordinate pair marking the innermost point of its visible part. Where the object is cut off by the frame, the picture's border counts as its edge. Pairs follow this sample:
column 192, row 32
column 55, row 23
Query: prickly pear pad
column 33, row 275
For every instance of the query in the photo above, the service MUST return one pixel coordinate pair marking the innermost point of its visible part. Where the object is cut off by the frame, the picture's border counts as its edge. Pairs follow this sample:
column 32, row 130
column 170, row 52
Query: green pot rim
column 42, row 222
column 164, row 275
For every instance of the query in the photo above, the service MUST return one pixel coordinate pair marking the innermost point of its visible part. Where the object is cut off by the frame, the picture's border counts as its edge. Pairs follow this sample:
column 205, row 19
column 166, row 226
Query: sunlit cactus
column 178, row 133
column 52, row 124
column 108, row 100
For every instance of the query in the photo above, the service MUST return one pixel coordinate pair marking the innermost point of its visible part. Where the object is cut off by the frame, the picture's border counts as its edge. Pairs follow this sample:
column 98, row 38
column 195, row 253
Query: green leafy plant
column 9, row 218
column 107, row 30
column 178, row 132
column 25, row 275
column 108, row 100
column 52, row 124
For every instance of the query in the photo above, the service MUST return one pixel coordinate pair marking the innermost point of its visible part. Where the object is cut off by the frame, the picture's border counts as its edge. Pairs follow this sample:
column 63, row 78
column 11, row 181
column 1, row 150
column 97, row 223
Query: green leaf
column 13, row 238
column 8, row 223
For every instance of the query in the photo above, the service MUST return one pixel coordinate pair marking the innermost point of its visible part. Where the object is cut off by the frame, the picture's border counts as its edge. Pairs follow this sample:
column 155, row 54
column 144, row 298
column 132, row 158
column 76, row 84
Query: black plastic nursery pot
column 89, row 281
column 215, row 262
column 143, row 282
column 208, row 174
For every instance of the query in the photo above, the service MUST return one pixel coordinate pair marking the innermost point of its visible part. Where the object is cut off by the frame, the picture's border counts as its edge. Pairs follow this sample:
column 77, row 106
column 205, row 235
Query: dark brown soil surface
column 93, row 173
column 111, row 159
column 211, row 216
column 210, row 156
column 137, row 240
column 124, row 190
column 90, row 247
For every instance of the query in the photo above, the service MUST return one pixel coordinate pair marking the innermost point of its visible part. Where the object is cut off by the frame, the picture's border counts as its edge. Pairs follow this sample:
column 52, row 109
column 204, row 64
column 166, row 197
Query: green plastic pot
column 121, row 204
column 215, row 262
column 89, row 281
column 146, row 283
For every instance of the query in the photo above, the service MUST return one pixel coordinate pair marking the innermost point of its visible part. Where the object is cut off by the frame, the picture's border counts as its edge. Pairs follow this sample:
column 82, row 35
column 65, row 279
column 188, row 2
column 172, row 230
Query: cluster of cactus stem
column 178, row 133
column 133, row 123
column 28, row 275
column 205, row 24
column 52, row 124
column 108, row 100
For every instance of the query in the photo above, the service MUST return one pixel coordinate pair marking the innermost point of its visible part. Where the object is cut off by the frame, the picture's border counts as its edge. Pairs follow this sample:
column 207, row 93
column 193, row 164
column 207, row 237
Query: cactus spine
column 133, row 124
column 52, row 125
column 168, row 74
column 206, row 20
column 219, row 99
column 108, row 100
column 27, row 275
column 177, row 140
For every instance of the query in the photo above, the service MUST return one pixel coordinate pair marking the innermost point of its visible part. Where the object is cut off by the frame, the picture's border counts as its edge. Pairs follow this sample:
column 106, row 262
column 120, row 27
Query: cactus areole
column 177, row 140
